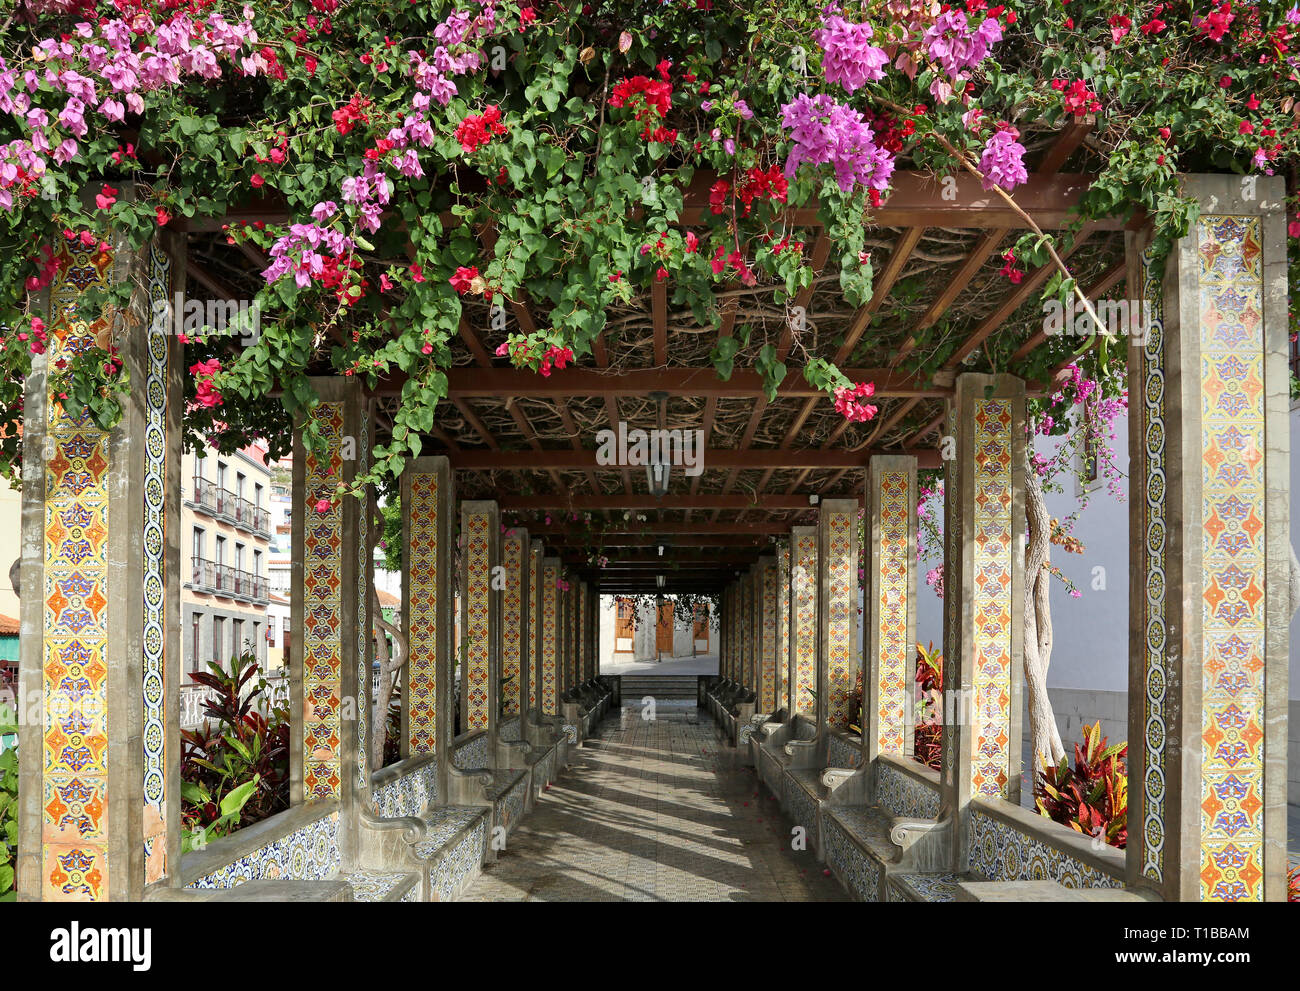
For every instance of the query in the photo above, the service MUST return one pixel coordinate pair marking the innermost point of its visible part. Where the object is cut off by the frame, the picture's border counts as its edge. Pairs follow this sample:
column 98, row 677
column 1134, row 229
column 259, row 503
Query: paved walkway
column 675, row 666
column 655, row 811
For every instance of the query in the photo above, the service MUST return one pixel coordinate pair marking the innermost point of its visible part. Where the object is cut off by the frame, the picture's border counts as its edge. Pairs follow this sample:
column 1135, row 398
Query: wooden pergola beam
column 979, row 254
column 645, row 501
column 561, row 539
column 712, row 459
column 466, row 382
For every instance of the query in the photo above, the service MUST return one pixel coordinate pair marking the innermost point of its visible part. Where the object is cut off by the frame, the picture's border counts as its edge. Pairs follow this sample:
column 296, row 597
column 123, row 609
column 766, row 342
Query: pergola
column 769, row 526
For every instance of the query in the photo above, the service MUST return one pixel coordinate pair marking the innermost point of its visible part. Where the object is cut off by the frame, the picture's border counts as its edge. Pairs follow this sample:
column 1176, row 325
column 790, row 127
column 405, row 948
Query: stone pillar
column 100, row 660
column 549, row 635
column 480, row 604
column 535, row 553
column 837, row 611
column 727, row 638
column 765, row 617
column 584, row 633
column 890, row 605
column 984, row 525
column 782, row 624
column 1209, row 555
column 803, row 690
column 329, row 670
column 514, row 621
column 747, row 629
column 428, row 532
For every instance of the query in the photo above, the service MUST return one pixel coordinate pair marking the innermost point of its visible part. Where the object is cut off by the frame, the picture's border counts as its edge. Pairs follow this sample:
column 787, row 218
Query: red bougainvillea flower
column 1009, row 270
column 1215, row 24
column 477, row 130
column 556, row 357
column 322, row 505
column 463, row 280
column 203, row 372
column 846, row 402
column 526, row 17
column 164, row 218
column 106, row 197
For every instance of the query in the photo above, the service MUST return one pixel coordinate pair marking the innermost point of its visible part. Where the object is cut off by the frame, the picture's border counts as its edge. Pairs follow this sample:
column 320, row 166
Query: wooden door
column 664, row 629
column 622, row 626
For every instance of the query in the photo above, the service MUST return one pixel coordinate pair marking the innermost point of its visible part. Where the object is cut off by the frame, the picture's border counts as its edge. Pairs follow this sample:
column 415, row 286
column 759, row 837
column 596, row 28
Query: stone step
column 660, row 686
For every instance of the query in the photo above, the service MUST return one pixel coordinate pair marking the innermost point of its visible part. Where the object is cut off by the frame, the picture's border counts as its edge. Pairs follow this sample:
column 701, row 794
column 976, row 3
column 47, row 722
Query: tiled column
column 514, row 621
column 329, row 674
column 428, row 532
column 984, row 518
column 837, row 622
column 747, row 648
column 765, row 616
column 728, row 637
column 549, row 635
column 1209, row 556
column 99, row 814
column 584, row 632
column 535, row 553
column 480, row 604
column 890, row 599
column 782, row 624
column 803, row 621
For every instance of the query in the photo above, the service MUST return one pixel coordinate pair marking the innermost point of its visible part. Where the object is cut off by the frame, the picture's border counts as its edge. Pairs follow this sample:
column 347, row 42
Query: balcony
column 222, row 579
column 223, row 502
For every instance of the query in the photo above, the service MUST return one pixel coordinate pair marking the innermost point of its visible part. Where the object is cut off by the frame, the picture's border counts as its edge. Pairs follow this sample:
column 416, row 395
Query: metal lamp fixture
column 659, row 580
column 657, row 474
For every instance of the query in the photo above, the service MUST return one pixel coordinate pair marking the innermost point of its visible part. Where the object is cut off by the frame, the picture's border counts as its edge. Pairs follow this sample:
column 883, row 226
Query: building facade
column 225, row 549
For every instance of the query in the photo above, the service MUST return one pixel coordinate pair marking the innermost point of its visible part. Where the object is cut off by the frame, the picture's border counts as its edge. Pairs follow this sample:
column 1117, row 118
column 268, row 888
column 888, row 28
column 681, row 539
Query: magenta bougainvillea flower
column 848, row 57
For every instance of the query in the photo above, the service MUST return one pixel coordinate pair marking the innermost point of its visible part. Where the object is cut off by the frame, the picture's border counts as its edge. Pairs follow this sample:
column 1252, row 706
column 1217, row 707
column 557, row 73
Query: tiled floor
column 655, row 811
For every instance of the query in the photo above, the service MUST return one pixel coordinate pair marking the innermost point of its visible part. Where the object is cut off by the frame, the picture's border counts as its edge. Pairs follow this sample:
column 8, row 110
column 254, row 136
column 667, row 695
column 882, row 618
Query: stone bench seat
column 938, row 887
column 383, row 886
column 861, row 853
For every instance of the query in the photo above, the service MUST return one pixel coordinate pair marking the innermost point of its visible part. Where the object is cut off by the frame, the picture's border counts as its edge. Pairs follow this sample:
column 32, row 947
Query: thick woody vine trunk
column 389, row 662
column 1043, row 733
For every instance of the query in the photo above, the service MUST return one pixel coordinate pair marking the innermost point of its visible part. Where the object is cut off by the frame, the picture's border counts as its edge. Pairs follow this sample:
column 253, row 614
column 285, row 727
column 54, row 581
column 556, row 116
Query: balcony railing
column 194, row 696
column 226, row 503
column 224, row 579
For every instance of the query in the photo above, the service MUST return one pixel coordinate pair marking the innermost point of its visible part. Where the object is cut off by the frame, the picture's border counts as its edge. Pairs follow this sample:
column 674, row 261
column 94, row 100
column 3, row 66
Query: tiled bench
column 298, row 850
column 858, row 830
column 541, row 752
column 808, row 778
column 446, row 844
column 894, row 850
column 767, row 749
column 507, row 789
column 585, row 706
column 732, row 707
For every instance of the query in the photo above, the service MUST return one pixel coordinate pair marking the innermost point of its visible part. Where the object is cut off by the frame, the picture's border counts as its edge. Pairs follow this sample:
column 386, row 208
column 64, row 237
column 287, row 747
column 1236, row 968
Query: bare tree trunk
column 1043, row 732
column 389, row 664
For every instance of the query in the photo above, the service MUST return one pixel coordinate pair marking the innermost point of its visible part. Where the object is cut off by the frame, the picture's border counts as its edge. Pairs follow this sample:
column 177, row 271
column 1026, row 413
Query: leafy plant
column 927, row 735
column 1292, row 885
column 1092, row 796
column 393, row 732
column 235, row 767
column 8, row 809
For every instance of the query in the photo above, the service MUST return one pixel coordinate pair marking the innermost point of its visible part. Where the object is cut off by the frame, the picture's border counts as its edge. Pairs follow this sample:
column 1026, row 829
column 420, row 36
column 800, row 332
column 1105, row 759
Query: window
column 257, row 562
column 257, row 495
column 284, row 634
column 221, row 551
column 218, row 623
column 195, row 662
column 221, row 475
column 236, row 636
column 197, row 551
column 239, row 484
column 239, row 557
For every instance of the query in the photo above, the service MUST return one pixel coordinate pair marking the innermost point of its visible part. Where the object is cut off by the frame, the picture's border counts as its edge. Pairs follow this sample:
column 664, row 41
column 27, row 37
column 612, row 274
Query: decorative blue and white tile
column 1001, row 853
column 455, row 871
column 843, row 753
column 307, row 854
column 473, row 754
column 444, row 823
column 902, row 795
column 858, row 872
column 570, row 734
column 374, row 886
